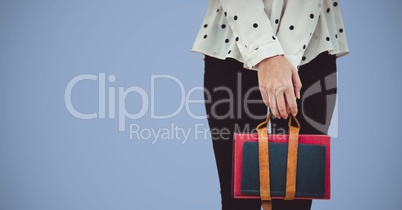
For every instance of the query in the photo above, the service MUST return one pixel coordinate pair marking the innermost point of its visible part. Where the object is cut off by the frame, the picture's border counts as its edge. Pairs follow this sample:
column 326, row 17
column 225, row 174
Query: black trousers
column 233, row 104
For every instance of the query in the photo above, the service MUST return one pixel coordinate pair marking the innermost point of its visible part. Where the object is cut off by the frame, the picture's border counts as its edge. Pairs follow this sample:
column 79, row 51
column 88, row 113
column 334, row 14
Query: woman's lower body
column 233, row 104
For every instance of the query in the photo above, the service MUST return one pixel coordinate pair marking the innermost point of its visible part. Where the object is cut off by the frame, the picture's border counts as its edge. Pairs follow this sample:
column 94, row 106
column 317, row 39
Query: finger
column 272, row 107
column 281, row 104
column 264, row 96
column 291, row 101
column 296, row 83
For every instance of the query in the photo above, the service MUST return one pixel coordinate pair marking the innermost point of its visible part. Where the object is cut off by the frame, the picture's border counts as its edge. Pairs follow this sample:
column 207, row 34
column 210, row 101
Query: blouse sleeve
column 297, row 26
column 250, row 24
column 256, row 38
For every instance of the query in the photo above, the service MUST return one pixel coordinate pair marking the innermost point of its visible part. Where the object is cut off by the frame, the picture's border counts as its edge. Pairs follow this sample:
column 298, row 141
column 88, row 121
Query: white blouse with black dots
column 252, row 30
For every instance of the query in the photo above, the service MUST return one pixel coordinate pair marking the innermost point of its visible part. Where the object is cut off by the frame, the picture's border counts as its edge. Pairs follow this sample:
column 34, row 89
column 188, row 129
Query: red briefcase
column 281, row 166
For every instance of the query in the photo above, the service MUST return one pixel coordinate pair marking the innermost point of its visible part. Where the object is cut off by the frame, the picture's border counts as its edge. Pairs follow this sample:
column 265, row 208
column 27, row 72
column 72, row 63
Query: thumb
column 296, row 82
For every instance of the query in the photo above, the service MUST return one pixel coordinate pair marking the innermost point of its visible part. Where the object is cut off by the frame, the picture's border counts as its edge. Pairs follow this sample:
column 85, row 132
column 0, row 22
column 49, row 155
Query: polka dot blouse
column 252, row 30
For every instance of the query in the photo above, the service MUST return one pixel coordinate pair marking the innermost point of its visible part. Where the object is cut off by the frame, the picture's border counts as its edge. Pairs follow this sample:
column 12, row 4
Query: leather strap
column 263, row 155
column 292, row 160
column 266, row 205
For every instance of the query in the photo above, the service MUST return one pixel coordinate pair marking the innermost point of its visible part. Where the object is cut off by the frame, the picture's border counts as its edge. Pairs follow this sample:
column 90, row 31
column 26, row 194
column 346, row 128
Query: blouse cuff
column 258, row 53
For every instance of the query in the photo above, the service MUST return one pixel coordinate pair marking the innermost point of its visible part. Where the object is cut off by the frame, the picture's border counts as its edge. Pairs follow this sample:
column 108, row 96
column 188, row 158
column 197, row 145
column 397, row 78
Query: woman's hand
column 279, row 85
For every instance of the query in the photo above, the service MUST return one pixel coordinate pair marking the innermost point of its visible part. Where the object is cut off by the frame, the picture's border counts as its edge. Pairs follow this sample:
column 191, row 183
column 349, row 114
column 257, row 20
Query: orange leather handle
column 292, row 159
column 263, row 154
